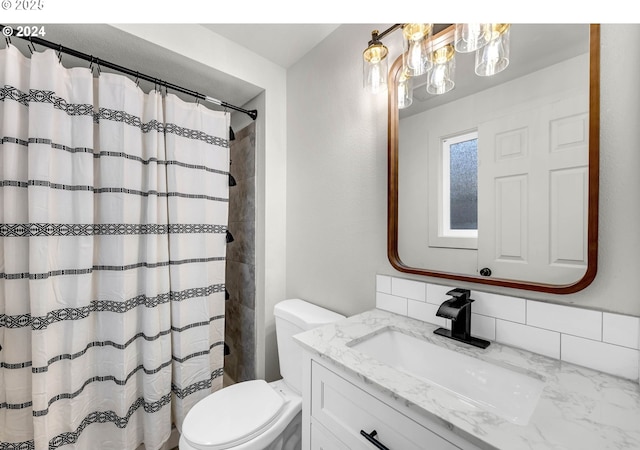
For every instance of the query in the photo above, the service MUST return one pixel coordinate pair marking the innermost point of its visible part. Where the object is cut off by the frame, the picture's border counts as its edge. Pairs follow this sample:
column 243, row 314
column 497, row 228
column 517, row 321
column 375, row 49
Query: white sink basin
column 507, row 393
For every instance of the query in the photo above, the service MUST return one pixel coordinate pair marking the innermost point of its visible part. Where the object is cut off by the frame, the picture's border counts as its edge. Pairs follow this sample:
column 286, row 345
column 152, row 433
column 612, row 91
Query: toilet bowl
column 250, row 415
column 256, row 415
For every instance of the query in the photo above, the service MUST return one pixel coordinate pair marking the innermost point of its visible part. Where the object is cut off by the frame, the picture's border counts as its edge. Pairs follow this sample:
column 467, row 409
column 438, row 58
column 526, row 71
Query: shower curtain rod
column 102, row 63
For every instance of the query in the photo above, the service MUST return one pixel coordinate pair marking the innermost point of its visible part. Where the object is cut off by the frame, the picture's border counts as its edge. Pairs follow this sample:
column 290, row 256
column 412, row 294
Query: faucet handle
column 459, row 292
column 460, row 298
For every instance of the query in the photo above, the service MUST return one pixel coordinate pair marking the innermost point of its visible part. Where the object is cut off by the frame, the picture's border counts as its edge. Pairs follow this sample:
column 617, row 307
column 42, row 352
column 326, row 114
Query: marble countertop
column 579, row 408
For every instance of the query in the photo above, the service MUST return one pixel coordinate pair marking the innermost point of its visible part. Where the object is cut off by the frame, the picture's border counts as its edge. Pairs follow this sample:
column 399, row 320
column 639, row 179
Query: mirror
column 529, row 218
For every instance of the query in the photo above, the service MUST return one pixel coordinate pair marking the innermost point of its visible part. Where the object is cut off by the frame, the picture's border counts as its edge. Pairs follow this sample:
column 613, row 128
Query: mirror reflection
column 493, row 176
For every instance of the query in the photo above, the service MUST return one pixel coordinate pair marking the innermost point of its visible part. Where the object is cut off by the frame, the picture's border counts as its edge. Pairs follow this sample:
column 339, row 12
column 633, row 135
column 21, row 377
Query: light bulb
column 415, row 59
column 471, row 36
column 374, row 68
column 441, row 76
column 376, row 81
column 405, row 91
column 416, row 44
column 494, row 57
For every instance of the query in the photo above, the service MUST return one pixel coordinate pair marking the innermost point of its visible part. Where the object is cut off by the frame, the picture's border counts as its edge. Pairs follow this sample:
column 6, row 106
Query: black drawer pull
column 371, row 438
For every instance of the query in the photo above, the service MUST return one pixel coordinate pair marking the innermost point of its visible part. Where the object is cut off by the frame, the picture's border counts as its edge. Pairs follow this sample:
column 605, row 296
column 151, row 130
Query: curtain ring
column 8, row 40
column 137, row 79
column 31, row 47
column 60, row 54
column 97, row 65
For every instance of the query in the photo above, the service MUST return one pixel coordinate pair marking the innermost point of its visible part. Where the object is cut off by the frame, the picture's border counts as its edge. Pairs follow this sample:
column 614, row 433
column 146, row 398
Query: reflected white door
column 533, row 193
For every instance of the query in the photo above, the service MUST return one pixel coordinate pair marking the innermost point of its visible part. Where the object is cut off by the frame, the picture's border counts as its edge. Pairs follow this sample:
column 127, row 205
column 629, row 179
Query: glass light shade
column 375, row 68
column 416, row 46
column 405, row 91
column 440, row 78
column 494, row 57
column 469, row 37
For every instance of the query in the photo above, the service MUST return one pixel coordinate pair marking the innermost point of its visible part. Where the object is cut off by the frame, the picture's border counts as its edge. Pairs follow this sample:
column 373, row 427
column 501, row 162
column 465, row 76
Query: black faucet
column 458, row 310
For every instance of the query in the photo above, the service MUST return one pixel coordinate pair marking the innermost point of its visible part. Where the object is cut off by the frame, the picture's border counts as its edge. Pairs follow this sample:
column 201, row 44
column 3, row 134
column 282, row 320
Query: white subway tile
column 613, row 359
column 391, row 303
column 427, row 313
column 499, row 306
column 415, row 290
column 383, row 284
column 535, row 340
column 621, row 330
column 483, row 327
column 565, row 319
column 437, row 293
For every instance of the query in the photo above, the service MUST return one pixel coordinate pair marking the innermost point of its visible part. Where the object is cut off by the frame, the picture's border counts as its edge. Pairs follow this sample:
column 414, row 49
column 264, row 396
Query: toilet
column 256, row 415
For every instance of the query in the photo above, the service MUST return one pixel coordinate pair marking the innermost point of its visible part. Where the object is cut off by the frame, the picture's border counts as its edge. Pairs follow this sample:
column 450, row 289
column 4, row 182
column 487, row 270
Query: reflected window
column 460, row 185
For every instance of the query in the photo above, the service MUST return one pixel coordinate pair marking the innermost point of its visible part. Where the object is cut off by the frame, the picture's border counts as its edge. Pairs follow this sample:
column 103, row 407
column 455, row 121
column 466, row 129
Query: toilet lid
column 233, row 415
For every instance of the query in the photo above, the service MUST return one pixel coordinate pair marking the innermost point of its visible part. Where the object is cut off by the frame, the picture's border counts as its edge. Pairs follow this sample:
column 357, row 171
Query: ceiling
column 283, row 44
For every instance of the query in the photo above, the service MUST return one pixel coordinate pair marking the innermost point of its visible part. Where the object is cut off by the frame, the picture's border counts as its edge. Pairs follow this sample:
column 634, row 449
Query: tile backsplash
column 603, row 341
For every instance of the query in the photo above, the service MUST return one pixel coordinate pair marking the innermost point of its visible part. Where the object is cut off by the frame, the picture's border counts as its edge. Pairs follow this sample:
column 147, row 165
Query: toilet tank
column 292, row 317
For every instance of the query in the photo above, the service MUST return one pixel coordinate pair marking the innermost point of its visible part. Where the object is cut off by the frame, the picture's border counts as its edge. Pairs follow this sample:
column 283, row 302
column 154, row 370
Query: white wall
column 336, row 179
column 336, row 182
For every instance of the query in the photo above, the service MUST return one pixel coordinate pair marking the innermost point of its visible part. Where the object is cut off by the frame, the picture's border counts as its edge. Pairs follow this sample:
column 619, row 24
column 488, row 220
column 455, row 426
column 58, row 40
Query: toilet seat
column 233, row 415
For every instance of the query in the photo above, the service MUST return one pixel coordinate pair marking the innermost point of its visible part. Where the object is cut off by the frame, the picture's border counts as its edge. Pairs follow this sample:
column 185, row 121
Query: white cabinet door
column 345, row 410
column 321, row 439
column 533, row 186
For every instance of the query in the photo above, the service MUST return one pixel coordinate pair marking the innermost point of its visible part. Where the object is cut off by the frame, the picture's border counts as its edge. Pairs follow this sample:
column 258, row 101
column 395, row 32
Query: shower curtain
column 114, row 207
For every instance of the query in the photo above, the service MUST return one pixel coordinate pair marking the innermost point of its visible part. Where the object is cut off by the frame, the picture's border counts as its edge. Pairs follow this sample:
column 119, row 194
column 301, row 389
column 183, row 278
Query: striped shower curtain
column 113, row 207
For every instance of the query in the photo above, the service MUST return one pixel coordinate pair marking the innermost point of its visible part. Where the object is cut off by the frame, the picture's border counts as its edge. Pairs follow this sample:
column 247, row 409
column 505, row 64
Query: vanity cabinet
column 337, row 406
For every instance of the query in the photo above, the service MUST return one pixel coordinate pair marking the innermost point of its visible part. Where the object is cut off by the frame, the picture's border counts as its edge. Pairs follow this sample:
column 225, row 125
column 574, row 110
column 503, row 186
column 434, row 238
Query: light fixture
column 441, row 76
column 469, row 37
column 494, row 57
column 374, row 67
column 416, row 45
column 405, row 90
column 430, row 49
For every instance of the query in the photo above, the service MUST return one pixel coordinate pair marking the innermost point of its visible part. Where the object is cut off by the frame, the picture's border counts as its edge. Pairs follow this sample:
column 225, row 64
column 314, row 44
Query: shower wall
column 240, row 363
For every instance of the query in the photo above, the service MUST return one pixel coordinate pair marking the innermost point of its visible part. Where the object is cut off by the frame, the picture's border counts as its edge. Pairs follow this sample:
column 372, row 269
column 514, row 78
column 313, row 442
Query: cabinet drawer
column 345, row 409
column 321, row 439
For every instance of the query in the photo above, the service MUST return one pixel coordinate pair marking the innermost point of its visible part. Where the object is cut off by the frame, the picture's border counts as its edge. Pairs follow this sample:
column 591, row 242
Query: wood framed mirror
column 537, row 222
